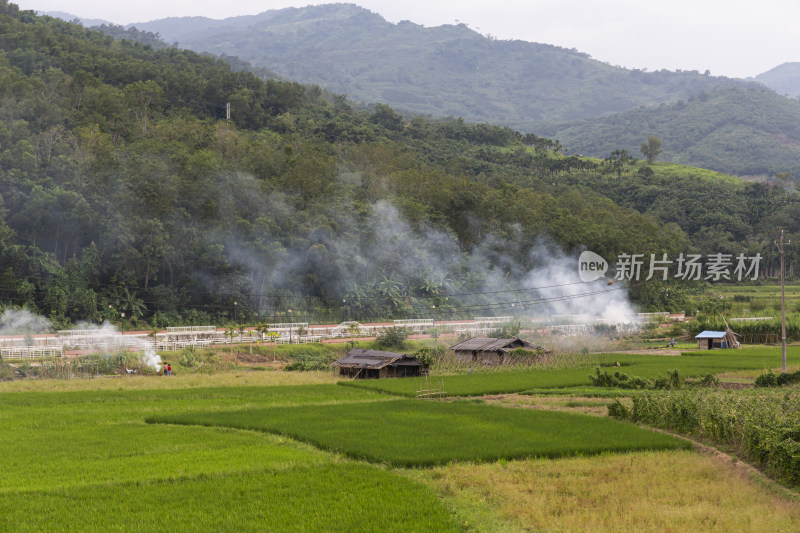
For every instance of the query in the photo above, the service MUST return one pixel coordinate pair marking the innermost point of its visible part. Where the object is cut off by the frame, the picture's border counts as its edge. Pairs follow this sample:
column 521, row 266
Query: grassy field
column 762, row 424
column 692, row 364
column 86, row 461
column 77, row 455
column 416, row 433
column 748, row 299
column 341, row 497
column 676, row 491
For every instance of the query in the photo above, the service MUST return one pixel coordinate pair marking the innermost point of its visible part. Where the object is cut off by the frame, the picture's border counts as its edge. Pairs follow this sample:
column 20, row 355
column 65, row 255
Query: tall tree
column 651, row 148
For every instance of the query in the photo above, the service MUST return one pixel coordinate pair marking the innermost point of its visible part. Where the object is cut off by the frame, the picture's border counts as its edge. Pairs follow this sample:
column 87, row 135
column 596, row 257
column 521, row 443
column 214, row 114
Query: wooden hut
column 714, row 340
column 374, row 364
column 488, row 351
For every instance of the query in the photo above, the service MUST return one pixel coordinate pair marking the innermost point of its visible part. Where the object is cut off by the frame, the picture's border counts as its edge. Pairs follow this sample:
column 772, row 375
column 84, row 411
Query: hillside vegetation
column 783, row 79
column 448, row 70
column 735, row 130
column 124, row 189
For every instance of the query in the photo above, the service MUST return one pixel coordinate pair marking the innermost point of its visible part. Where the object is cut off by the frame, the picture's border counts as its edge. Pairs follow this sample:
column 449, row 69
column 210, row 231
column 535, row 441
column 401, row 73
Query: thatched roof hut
column 373, row 364
column 489, row 351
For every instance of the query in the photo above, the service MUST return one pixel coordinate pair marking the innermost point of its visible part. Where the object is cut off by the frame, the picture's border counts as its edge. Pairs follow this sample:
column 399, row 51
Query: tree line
column 125, row 189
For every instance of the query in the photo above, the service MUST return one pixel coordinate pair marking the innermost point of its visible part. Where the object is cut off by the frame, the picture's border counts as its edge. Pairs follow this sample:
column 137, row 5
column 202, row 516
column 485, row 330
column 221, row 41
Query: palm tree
column 132, row 303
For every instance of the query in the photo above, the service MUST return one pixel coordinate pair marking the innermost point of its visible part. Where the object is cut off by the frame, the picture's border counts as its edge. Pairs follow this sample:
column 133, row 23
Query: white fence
column 493, row 319
column 751, row 319
column 650, row 317
column 31, row 352
column 569, row 329
column 307, row 339
column 191, row 329
column 286, row 326
column 416, row 324
column 82, row 333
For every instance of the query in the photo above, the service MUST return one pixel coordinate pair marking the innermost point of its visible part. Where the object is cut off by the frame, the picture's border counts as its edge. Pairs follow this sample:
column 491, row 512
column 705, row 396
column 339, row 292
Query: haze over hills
column 443, row 71
column 745, row 132
column 591, row 107
column 123, row 183
column 783, row 79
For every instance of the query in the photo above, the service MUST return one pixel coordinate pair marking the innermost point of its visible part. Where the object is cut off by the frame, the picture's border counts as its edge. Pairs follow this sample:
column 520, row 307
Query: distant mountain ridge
column 448, row 70
column 745, row 132
column 591, row 107
column 783, row 79
column 69, row 17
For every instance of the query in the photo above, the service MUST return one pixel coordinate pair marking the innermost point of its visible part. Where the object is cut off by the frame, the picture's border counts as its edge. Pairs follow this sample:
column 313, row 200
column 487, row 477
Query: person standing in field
column 169, row 369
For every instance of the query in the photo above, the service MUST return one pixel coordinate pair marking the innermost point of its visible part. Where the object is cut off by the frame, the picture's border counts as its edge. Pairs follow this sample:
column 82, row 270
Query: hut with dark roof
column 489, row 351
column 373, row 364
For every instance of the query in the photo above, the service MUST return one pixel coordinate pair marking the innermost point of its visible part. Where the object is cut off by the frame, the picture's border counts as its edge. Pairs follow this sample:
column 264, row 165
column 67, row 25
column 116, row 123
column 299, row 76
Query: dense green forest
column 125, row 189
column 746, row 132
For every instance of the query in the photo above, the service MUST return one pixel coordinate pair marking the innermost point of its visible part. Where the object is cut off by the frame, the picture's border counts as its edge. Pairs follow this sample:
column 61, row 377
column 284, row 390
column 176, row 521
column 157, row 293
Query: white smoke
column 496, row 276
column 563, row 293
column 150, row 358
column 23, row 322
column 106, row 335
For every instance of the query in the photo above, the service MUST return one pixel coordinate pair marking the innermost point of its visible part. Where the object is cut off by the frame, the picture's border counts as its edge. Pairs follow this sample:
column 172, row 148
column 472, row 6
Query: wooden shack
column 374, row 364
column 489, row 351
column 714, row 340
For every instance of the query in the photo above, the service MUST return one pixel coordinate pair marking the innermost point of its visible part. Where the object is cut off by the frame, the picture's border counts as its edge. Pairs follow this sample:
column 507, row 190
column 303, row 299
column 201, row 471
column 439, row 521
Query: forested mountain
column 125, row 189
column 738, row 131
column 783, row 79
column 443, row 71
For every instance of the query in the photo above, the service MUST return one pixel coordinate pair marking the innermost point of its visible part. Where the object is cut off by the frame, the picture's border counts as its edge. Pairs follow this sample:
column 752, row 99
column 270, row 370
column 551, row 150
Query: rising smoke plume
column 351, row 257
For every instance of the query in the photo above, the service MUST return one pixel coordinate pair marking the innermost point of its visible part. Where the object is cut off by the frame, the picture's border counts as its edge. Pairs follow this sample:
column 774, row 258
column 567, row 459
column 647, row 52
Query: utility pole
column 783, row 310
column 228, row 111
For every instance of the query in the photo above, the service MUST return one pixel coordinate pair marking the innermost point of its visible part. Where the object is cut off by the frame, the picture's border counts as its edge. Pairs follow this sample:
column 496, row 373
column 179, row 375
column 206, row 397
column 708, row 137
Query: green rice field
column 412, row 433
column 329, row 497
column 690, row 364
column 81, row 455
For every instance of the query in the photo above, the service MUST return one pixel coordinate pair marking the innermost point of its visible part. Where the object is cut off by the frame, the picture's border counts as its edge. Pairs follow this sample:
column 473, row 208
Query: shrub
column 709, row 380
column 771, row 379
column 617, row 380
column 190, row 359
column 509, row 330
column 391, row 339
column 787, row 378
column 767, row 380
column 429, row 355
column 310, row 359
column 6, row 372
column 760, row 425
column 617, row 410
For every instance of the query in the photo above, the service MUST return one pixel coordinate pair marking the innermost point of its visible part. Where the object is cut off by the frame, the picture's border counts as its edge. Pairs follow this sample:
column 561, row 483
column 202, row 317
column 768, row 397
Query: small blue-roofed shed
column 710, row 340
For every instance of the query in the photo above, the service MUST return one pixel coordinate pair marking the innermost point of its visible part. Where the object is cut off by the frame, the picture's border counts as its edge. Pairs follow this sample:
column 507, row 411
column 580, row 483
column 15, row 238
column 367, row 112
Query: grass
column 76, row 438
column 749, row 299
column 333, row 497
column 649, row 491
column 415, row 433
column 178, row 381
column 86, row 461
column 77, row 455
column 761, row 424
column 693, row 364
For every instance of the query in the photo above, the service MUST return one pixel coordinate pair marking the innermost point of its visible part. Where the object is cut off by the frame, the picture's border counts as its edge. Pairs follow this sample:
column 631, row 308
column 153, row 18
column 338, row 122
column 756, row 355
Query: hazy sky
column 729, row 37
